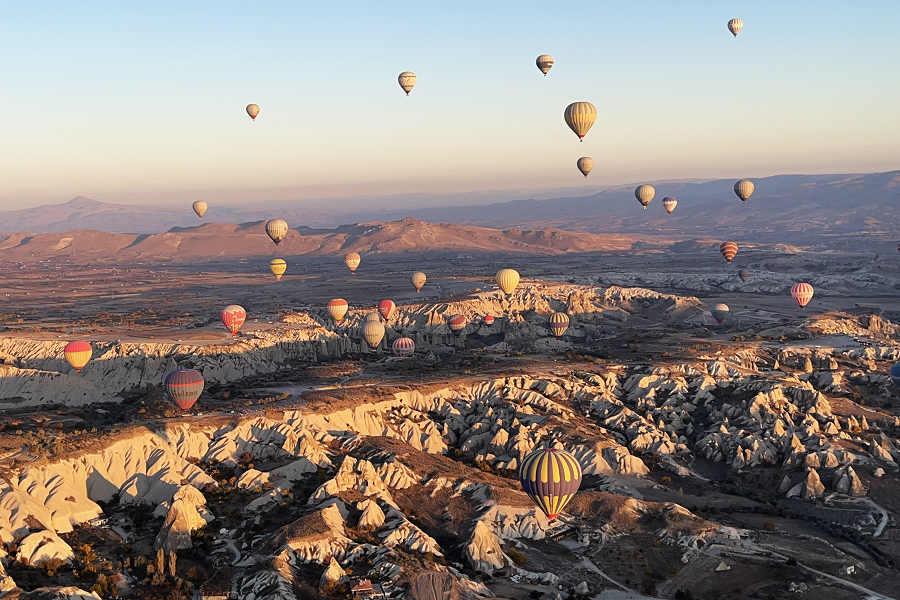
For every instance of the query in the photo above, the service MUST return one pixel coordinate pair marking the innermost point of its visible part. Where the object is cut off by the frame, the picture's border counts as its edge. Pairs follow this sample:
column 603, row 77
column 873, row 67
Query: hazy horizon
column 128, row 104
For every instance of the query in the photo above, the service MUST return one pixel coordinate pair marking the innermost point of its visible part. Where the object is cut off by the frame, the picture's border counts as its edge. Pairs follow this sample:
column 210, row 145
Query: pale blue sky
column 144, row 101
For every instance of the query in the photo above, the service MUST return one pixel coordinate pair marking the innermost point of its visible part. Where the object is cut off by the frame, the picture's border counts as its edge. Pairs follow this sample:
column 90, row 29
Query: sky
column 144, row 102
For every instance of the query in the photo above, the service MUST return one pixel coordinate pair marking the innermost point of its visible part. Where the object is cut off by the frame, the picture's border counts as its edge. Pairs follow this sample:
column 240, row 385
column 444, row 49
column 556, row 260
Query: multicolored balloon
column 78, row 354
column 559, row 323
column 669, row 203
column 233, row 317
column 386, row 308
column 277, row 230
column 507, row 280
column 457, row 323
column 544, row 62
column 184, row 386
column 743, row 189
column 253, row 111
column 580, row 117
column 551, row 478
column 373, row 332
column 644, row 194
column 802, row 293
column 199, row 207
column 729, row 250
column 337, row 309
column 418, row 280
column 720, row 312
column 407, row 81
column 735, row 26
column 404, row 346
column 352, row 260
column 278, row 266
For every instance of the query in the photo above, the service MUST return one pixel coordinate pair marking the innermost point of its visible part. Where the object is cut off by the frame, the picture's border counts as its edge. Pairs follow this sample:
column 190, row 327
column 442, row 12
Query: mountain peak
column 82, row 202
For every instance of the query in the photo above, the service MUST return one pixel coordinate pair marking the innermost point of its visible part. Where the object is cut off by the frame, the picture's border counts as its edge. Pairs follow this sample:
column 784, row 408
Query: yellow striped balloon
column 744, row 189
column 644, row 194
column 407, row 81
column 551, row 478
column 373, row 332
column 559, row 322
column 278, row 266
column 277, row 230
column 352, row 260
column 580, row 117
column 199, row 207
column 78, row 354
column 735, row 26
column 507, row 280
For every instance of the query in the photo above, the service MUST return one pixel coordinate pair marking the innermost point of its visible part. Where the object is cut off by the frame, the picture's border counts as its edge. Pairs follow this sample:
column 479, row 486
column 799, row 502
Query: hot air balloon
column 278, row 266
column 559, row 322
column 372, row 316
column 644, row 194
column 488, row 320
column 669, row 203
column 457, row 323
column 199, row 207
column 720, row 312
column 580, row 117
column 507, row 280
column 802, row 293
column 744, row 275
column 352, row 260
column 544, row 62
column 337, row 309
column 253, row 111
column 418, row 280
column 184, row 386
column 729, row 250
column 277, row 230
column 404, row 346
column 895, row 374
column 585, row 165
column 78, row 354
column 744, row 189
column 735, row 25
column 386, row 308
column 407, row 81
column 551, row 478
column 233, row 316
column 373, row 333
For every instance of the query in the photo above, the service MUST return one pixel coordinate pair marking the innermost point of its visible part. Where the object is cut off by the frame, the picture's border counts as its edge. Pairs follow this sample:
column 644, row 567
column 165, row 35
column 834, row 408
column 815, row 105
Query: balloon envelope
column 199, row 207
column 277, row 230
column 233, row 316
column 580, row 117
column 403, row 346
column 644, row 194
column 544, row 62
column 386, row 308
column 352, row 260
column 418, row 280
column 559, row 322
column 373, row 333
column 457, row 323
column 488, row 320
column 337, row 309
column 735, row 26
column 184, row 386
column 729, row 250
column 278, row 266
column 585, row 165
column 507, row 280
column 78, row 354
column 669, row 203
column 551, row 478
column 720, row 312
column 744, row 274
column 802, row 293
column 743, row 189
column 407, row 81
column 252, row 110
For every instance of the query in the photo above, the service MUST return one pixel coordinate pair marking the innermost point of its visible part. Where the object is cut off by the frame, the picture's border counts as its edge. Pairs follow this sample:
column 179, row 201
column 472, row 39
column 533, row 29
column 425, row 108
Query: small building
column 362, row 590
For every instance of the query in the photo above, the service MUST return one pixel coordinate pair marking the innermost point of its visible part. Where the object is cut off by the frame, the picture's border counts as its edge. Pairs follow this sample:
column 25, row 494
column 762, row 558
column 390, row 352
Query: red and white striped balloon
column 457, row 323
column 233, row 316
column 802, row 293
column 729, row 250
column 488, row 320
column 386, row 308
column 404, row 346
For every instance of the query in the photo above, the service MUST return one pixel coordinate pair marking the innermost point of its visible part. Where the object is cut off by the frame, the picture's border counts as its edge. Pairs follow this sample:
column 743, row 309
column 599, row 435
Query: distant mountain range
column 213, row 241
column 795, row 207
